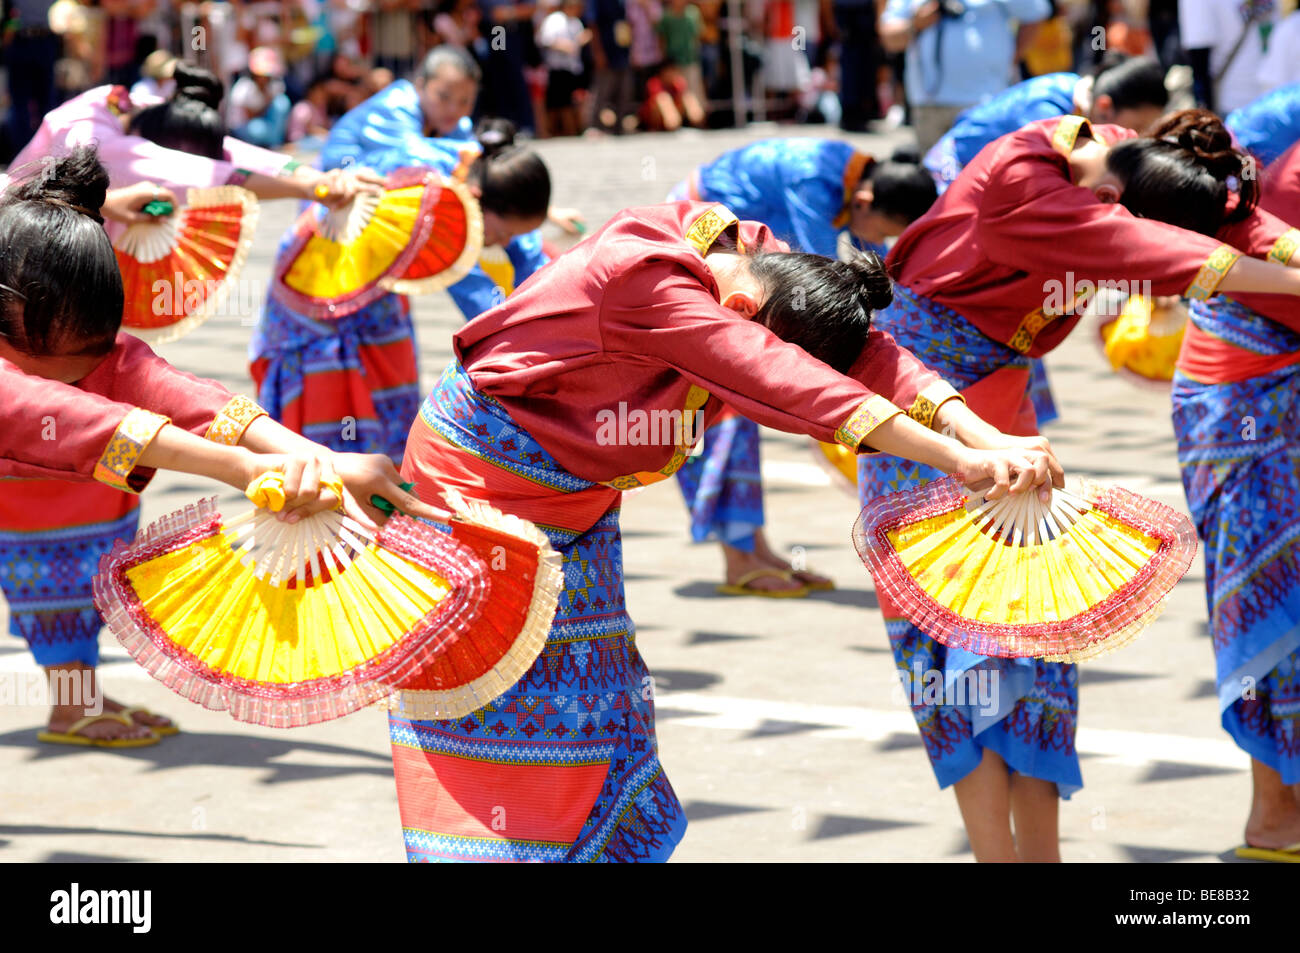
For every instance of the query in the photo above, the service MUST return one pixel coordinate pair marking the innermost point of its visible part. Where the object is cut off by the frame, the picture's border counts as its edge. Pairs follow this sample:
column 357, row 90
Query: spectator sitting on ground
column 669, row 102
column 259, row 106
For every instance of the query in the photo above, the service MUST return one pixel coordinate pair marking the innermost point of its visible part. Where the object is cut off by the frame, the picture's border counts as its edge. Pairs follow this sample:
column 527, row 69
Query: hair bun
column 875, row 288
column 76, row 180
column 196, row 83
column 495, row 135
column 1204, row 135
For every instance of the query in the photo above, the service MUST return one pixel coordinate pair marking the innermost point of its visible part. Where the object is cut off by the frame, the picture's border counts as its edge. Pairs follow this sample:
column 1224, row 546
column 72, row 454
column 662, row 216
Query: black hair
column 60, row 287
column 1180, row 173
column 901, row 188
column 1131, row 82
column 453, row 56
column 821, row 304
column 190, row 121
column 513, row 180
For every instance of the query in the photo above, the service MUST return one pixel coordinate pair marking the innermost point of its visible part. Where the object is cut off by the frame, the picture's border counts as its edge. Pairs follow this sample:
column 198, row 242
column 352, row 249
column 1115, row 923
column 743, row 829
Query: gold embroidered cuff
column 1067, row 131
column 133, row 434
column 230, row 423
column 871, row 413
column 1285, row 247
column 927, row 403
column 704, row 231
column 1212, row 272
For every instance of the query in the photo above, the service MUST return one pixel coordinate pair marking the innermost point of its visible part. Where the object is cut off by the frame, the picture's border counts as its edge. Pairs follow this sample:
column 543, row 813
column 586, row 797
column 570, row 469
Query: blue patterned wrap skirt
column 569, row 754
column 1030, row 711
column 1239, row 453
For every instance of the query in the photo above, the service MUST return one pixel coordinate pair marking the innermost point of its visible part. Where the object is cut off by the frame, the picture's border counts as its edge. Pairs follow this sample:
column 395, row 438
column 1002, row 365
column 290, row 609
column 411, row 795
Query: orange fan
column 423, row 232
column 1065, row 581
column 178, row 270
column 525, row 587
column 285, row 625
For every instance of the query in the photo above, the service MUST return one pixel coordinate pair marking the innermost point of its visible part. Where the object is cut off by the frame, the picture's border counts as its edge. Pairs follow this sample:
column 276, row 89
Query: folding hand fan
column 1065, row 581
column 193, row 255
column 286, row 625
column 1143, row 342
column 514, row 625
column 423, row 232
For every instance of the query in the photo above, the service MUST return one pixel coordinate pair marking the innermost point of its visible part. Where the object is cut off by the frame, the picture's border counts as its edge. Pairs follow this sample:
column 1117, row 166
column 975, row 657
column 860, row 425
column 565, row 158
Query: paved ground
column 780, row 722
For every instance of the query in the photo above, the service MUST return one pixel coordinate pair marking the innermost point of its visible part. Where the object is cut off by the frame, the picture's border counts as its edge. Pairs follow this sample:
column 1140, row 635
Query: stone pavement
column 780, row 721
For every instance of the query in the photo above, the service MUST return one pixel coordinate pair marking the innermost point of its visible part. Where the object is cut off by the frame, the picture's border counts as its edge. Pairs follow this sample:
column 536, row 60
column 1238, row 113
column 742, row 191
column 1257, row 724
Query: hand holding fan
column 196, row 254
column 287, row 625
column 422, row 232
column 1065, row 581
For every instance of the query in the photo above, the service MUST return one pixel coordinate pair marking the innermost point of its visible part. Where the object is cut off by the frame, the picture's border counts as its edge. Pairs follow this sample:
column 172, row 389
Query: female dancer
column 61, row 293
column 1234, row 410
column 180, row 144
column 586, row 382
column 1124, row 92
column 993, row 249
column 352, row 383
column 811, row 193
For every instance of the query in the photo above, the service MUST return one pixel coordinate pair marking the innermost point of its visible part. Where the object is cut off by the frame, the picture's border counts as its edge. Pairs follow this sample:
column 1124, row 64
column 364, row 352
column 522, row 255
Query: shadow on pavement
column 47, row 830
column 862, row 598
column 229, row 750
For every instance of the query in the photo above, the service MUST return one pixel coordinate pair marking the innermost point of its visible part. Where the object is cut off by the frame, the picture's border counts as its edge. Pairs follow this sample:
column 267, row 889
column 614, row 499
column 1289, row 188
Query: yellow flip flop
column 827, row 586
column 1277, row 855
column 74, row 736
column 164, row 732
column 741, row 586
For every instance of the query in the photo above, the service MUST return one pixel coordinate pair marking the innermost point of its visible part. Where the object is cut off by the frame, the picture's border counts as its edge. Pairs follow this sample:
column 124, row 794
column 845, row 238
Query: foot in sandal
column 749, row 575
column 80, row 718
column 813, row 581
column 105, row 730
column 161, row 725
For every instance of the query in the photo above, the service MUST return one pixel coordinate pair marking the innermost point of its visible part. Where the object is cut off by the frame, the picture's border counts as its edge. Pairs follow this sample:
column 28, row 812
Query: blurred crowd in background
column 566, row 67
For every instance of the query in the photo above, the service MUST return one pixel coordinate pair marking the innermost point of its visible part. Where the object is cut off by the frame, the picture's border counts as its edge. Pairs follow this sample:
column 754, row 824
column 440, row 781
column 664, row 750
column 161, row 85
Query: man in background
column 958, row 53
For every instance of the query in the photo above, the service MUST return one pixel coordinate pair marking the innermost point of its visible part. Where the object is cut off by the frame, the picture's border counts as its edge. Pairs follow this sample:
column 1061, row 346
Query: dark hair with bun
column 60, row 287
column 821, row 304
column 1179, row 173
column 514, row 181
column 190, row 121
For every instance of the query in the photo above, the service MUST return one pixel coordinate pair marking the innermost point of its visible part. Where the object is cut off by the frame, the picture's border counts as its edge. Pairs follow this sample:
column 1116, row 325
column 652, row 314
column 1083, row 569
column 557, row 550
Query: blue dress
column 796, row 187
column 1042, row 97
column 1269, row 125
column 301, row 364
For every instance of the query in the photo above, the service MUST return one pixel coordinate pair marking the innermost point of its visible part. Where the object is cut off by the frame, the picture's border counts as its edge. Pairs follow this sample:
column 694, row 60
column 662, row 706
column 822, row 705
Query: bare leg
column 1035, row 806
column 1274, row 813
column 984, row 797
column 78, row 695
